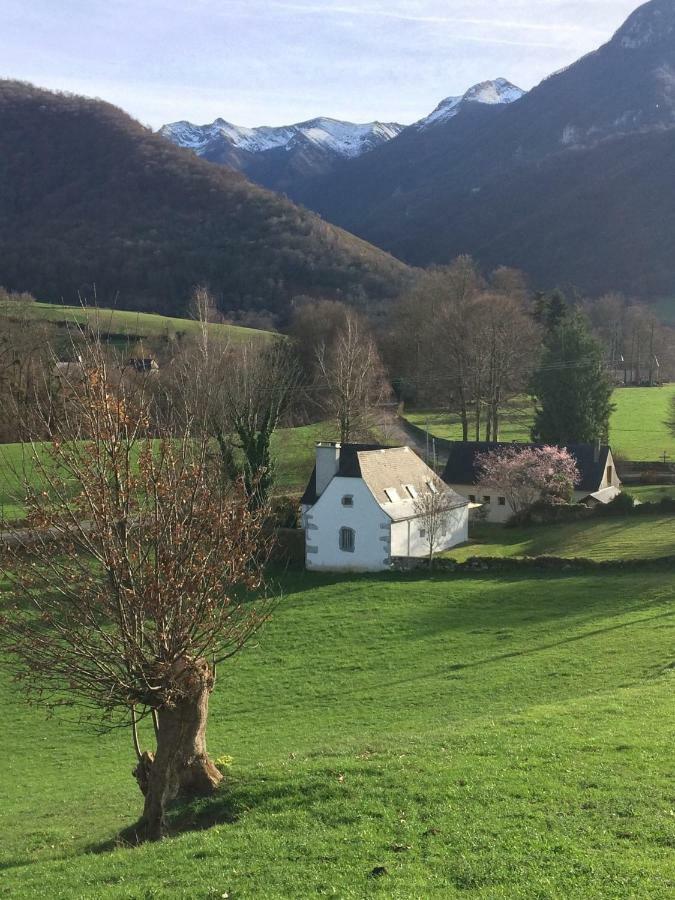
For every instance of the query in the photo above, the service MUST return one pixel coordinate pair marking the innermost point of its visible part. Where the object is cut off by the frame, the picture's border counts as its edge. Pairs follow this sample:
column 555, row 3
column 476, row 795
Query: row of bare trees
column 466, row 344
column 639, row 349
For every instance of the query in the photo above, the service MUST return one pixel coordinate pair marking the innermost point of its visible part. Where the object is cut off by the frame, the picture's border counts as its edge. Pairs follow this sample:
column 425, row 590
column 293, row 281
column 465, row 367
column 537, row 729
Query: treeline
column 457, row 341
column 471, row 344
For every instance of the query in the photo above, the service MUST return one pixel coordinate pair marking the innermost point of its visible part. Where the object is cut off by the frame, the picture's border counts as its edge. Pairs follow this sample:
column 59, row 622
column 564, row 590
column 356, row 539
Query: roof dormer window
column 411, row 491
column 392, row 495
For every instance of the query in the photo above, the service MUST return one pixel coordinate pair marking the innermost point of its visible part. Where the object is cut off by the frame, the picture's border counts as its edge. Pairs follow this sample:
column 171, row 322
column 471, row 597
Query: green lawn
column 638, row 429
column 651, row 493
column 123, row 322
column 630, row 537
column 293, row 450
column 475, row 737
column 11, row 467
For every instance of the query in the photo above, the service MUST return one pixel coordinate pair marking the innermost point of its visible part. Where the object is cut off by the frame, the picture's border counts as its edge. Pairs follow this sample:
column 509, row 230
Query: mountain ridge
column 284, row 159
column 430, row 194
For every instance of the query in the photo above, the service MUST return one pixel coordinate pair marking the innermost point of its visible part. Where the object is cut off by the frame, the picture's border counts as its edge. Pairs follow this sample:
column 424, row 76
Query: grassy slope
column 638, row 537
column 121, row 322
column 492, row 738
column 638, row 427
column 293, row 449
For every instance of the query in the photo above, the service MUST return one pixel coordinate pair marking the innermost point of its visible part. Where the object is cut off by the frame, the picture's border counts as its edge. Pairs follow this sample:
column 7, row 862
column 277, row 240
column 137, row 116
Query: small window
column 487, row 499
column 392, row 495
column 472, row 498
column 348, row 500
column 610, row 475
column 423, row 532
column 502, row 501
column 347, row 540
column 411, row 491
column 432, row 487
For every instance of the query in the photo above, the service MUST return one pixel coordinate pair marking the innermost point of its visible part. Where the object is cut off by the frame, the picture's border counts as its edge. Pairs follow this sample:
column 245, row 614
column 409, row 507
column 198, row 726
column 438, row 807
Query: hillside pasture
column 393, row 737
column 123, row 325
column 638, row 427
column 626, row 538
column 293, row 450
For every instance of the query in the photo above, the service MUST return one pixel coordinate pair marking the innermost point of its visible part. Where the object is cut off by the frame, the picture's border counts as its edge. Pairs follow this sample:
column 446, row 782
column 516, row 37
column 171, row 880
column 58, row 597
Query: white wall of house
column 371, row 526
column 407, row 538
column 495, row 507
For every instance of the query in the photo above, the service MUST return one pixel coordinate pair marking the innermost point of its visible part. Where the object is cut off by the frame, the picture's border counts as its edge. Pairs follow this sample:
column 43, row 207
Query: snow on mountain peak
column 344, row 139
column 499, row 91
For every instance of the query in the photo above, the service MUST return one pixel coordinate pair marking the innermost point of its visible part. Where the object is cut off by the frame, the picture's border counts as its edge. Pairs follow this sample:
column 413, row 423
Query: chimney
column 327, row 464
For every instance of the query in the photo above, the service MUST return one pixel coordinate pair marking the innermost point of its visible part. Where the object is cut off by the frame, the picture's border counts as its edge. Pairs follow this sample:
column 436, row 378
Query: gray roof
column 461, row 465
column 395, row 476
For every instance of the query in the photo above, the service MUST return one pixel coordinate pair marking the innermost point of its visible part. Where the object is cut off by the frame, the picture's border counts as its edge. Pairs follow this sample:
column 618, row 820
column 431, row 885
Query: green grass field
column 638, row 429
column 474, row 737
column 125, row 323
column 651, row 493
column 293, row 449
column 636, row 537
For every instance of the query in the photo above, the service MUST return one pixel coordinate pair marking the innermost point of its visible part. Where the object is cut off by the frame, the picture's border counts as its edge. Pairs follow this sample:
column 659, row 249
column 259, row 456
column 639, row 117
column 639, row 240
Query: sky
column 274, row 62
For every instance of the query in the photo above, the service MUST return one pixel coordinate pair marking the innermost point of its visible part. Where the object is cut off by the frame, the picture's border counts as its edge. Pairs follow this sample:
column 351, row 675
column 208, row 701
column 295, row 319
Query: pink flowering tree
column 529, row 475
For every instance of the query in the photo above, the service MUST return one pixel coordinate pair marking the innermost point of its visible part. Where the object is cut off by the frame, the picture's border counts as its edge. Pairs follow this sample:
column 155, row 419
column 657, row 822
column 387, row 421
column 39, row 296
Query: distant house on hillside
column 359, row 509
column 67, row 370
column 599, row 482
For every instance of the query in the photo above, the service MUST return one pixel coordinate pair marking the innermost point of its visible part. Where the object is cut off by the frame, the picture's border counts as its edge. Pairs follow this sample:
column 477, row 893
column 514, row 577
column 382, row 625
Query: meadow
column 394, row 737
column 638, row 427
column 630, row 537
column 293, row 450
column 123, row 323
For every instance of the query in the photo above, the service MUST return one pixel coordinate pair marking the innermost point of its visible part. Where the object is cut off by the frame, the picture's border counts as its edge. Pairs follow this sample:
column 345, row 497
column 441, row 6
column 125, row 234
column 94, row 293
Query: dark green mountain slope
column 89, row 197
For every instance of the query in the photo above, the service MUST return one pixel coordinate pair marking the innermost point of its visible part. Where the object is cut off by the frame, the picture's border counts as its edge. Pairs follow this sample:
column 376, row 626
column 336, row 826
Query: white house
column 599, row 482
column 359, row 508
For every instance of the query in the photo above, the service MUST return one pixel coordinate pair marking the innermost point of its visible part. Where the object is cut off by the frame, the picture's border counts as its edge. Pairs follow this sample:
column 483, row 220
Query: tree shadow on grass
column 231, row 801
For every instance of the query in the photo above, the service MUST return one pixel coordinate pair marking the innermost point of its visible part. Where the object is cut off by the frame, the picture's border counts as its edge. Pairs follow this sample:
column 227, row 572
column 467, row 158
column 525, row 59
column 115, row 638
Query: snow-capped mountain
column 499, row 91
column 344, row 139
column 278, row 157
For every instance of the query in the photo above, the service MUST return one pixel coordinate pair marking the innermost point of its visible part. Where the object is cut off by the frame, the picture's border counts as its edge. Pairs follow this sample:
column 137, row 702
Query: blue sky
column 274, row 62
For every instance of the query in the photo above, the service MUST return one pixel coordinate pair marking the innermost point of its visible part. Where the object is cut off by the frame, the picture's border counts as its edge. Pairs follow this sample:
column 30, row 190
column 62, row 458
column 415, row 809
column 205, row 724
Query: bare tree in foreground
column 135, row 582
column 351, row 379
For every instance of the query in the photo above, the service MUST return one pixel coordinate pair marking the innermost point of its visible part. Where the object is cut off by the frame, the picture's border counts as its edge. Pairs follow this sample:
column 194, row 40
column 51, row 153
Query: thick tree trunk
column 181, row 765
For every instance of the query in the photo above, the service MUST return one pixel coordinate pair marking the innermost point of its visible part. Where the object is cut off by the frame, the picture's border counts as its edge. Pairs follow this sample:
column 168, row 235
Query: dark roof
column 460, row 468
column 348, row 467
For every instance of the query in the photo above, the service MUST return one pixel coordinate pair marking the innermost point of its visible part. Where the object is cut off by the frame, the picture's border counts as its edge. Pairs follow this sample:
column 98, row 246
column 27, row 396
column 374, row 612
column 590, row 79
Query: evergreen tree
column 571, row 386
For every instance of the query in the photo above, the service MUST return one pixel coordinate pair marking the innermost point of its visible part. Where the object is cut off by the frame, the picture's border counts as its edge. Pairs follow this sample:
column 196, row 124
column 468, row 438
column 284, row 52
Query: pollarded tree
column 133, row 580
column 572, row 387
column 528, row 475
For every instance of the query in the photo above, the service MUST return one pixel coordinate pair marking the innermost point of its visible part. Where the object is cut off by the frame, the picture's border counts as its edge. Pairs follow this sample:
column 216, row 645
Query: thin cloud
column 554, row 27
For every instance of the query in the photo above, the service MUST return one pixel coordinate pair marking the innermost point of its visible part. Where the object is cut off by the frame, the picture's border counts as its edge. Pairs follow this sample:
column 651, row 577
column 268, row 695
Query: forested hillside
column 90, row 200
